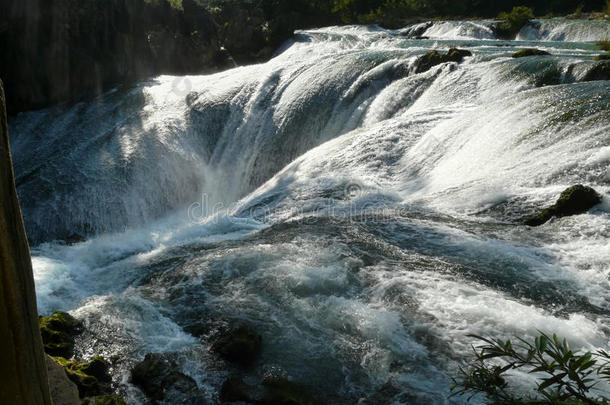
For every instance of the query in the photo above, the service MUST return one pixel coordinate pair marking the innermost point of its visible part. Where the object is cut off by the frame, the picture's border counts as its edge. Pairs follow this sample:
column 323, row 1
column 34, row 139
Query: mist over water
column 363, row 218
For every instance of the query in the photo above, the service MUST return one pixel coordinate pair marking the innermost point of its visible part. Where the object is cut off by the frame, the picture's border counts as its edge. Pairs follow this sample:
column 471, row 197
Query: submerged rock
column 434, row 58
column 241, row 345
column 530, row 52
column 234, row 389
column 600, row 71
column 161, row 379
column 104, row 400
column 58, row 331
column 573, row 201
column 272, row 391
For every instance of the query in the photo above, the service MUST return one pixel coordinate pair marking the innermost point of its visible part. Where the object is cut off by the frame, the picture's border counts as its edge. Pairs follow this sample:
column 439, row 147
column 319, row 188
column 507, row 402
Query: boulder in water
column 530, row 52
column 58, row 331
column 600, row 71
column 573, row 201
column 273, row 391
column 434, row 58
column 161, row 379
column 241, row 345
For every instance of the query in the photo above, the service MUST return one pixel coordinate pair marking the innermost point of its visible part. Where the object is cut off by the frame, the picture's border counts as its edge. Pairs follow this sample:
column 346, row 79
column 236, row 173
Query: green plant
column 562, row 376
column 513, row 21
column 604, row 45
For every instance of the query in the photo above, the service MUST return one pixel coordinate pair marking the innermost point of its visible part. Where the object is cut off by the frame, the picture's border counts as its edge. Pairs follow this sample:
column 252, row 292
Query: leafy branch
column 563, row 376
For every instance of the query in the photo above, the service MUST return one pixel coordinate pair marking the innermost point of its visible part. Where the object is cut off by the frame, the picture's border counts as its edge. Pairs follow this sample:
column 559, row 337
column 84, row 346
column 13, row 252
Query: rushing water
column 363, row 218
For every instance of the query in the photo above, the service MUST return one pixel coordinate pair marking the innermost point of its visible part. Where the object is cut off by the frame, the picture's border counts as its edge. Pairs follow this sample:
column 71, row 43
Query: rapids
column 363, row 218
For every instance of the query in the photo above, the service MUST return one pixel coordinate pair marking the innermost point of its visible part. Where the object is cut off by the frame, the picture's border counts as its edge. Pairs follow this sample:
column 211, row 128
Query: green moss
column 574, row 200
column 79, row 373
column 530, row 52
column 58, row 331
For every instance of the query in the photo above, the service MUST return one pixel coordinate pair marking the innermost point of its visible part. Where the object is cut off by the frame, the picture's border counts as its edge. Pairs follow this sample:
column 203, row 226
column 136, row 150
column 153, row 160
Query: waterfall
column 363, row 217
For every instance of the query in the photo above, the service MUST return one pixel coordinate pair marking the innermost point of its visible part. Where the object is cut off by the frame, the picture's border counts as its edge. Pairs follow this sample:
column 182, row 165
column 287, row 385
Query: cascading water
column 363, row 218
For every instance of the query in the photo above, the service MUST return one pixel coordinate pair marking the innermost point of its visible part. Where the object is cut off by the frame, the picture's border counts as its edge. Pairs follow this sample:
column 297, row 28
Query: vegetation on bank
column 563, row 377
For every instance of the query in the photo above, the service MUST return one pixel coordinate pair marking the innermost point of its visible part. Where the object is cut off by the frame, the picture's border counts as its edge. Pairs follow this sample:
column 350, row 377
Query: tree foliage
column 562, row 376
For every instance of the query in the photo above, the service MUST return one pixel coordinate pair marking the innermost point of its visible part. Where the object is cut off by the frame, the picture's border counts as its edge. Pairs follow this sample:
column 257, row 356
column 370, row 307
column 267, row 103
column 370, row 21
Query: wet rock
column 272, row 391
column 573, row 201
column 234, row 389
column 98, row 368
column 241, row 345
column 63, row 391
column 279, row 390
column 88, row 385
column 417, row 31
column 104, row 400
column 600, row 71
column 161, row 379
column 58, row 331
column 523, row 53
column 434, row 58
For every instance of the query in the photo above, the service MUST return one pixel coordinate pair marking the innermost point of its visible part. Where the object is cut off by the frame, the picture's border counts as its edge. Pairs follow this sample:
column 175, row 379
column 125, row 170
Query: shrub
column 513, row 22
column 563, row 376
column 604, row 45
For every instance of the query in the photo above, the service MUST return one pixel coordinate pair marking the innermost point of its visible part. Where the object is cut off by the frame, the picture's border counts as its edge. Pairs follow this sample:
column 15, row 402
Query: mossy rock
column 523, row 53
column 600, row 71
column 241, row 345
column 573, row 201
column 104, row 400
column 89, row 385
column 434, row 58
column 602, row 57
column 58, row 331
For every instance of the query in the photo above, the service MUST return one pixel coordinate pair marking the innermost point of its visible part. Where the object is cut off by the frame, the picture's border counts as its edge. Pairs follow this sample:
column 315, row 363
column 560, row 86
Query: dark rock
column 530, row 52
column 280, row 391
column 600, row 71
column 104, row 400
column 603, row 57
column 88, row 385
column 417, row 31
column 272, row 391
column 58, row 331
column 434, row 58
column 234, row 389
column 160, row 379
column 241, row 345
column 573, row 201
column 98, row 368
